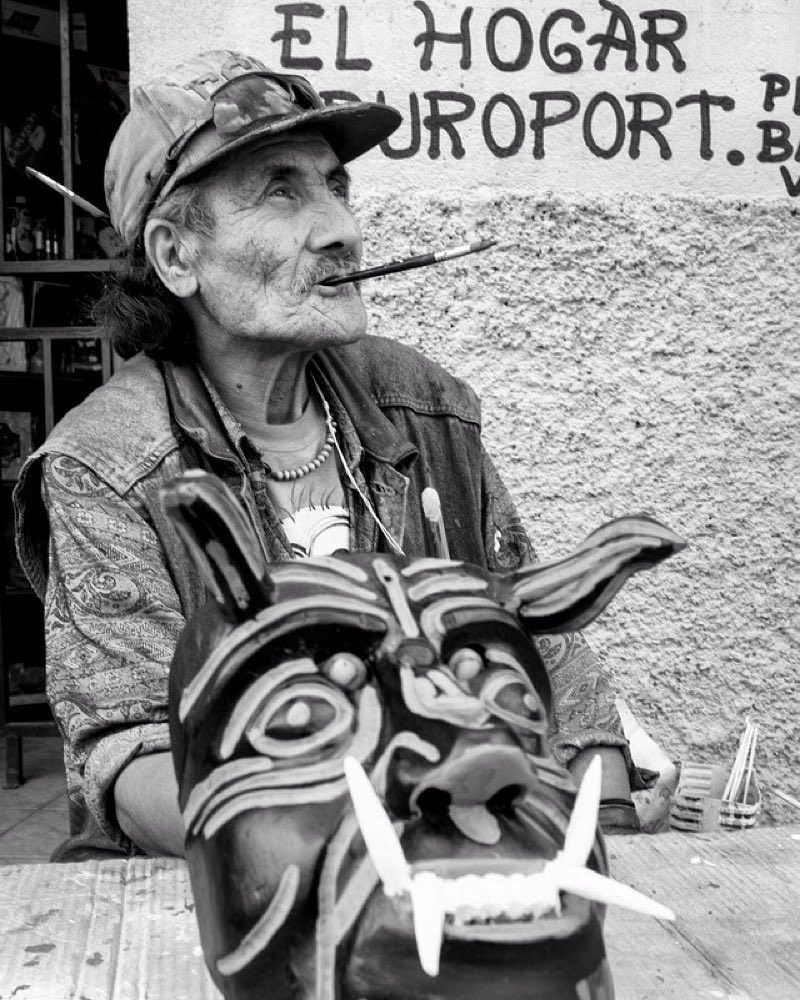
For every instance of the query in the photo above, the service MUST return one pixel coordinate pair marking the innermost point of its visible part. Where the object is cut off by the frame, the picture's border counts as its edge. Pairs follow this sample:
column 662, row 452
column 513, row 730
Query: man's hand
column 146, row 798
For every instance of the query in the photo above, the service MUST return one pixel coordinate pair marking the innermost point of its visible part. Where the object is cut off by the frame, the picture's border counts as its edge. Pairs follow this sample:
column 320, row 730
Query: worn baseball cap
column 210, row 106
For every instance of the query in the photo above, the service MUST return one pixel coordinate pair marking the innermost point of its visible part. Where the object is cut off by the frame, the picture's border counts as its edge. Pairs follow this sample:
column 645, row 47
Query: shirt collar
column 378, row 436
column 199, row 411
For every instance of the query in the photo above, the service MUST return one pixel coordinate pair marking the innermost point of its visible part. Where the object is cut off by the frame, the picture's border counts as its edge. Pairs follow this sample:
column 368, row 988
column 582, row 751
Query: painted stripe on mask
column 265, row 928
column 223, row 660
column 439, row 584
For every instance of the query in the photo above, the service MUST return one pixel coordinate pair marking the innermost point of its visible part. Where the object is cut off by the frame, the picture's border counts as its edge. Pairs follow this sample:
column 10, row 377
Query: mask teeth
column 487, row 897
column 481, row 897
column 474, row 898
column 379, row 835
column 582, row 828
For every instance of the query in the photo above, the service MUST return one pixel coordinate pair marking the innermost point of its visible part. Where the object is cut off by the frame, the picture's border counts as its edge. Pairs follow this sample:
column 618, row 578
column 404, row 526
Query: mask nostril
column 503, row 801
column 433, row 802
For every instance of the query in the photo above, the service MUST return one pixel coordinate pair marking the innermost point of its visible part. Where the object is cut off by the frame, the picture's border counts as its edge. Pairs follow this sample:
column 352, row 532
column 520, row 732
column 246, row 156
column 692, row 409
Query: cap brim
column 351, row 130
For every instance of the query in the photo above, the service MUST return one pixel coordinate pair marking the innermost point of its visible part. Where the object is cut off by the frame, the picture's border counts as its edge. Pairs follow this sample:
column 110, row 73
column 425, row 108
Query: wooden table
column 125, row 930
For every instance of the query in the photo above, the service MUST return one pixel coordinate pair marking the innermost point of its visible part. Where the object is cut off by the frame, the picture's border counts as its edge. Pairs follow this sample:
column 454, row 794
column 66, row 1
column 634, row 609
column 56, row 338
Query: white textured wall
column 640, row 355
column 636, row 351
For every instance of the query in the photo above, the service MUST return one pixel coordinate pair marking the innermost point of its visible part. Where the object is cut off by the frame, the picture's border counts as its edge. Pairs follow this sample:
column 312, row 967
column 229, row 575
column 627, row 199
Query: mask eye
column 345, row 670
column 300, row 719
column 465, row 664
column 513, row 696
column 509, row 694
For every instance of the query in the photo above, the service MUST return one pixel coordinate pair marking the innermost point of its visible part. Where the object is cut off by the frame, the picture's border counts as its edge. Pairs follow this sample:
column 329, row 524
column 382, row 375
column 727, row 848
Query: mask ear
column 221, row 542
column 566, row 594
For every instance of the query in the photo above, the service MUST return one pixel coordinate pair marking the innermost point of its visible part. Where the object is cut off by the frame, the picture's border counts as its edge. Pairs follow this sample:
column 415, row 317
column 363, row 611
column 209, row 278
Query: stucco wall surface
column 640, row 356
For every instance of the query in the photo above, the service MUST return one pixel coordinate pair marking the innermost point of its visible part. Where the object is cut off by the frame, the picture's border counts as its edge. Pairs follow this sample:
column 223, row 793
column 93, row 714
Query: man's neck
column 256, row 385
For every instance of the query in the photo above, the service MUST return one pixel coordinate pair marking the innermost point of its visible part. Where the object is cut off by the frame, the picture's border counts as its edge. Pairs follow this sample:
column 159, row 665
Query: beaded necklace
column 283, row 475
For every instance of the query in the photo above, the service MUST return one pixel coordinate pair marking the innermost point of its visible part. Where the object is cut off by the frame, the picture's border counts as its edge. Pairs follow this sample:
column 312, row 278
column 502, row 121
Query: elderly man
column 227, row 183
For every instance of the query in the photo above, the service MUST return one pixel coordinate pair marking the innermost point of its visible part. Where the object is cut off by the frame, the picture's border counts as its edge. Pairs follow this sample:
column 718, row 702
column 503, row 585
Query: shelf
column 67, row 91
column 31, row 727
column 23, row 267
column 34, row 379
column 30, row 711
column 29, row 698
column 50, row 333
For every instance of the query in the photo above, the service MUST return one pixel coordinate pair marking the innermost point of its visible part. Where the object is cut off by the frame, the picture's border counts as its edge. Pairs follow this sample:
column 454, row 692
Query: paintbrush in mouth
column 421, row 260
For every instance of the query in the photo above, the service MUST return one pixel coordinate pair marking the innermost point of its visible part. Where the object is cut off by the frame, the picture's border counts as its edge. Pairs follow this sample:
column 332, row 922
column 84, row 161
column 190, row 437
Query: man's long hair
column 138, row 312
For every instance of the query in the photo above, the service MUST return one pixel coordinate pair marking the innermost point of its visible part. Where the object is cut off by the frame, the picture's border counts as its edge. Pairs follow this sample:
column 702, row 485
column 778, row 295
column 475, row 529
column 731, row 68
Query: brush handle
column 436, row 538
column 423, row 260
column 87, row 206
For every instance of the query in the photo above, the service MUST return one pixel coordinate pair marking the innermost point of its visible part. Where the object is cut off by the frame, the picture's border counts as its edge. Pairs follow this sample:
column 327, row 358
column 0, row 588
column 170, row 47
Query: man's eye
column 342, row 191
column 279, row 188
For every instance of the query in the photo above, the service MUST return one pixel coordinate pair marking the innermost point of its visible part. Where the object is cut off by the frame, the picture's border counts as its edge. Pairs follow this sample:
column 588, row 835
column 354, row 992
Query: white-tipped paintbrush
column 61, row 189
column 420, row 260
column 432, row 511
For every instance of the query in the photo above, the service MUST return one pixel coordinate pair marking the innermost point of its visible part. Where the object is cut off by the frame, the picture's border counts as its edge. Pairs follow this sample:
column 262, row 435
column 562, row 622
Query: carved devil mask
column 424, row 675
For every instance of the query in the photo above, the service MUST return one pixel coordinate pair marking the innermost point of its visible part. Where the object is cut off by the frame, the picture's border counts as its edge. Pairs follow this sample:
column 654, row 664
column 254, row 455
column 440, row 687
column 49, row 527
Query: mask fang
column 379, row 835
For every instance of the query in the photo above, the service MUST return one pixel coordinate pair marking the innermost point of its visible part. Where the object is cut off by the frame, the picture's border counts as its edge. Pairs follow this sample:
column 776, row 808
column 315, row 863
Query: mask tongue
column 476, row 823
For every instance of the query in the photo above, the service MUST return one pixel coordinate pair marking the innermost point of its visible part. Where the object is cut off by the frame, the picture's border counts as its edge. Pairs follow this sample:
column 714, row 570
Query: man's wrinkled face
column 283, row 223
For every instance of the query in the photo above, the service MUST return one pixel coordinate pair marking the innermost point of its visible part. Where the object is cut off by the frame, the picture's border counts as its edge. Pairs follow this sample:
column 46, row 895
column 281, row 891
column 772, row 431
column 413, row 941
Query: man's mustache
column 326, row 268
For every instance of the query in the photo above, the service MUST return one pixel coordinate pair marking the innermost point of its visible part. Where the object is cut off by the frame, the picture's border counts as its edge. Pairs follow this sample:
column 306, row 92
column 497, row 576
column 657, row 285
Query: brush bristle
column 431, row 505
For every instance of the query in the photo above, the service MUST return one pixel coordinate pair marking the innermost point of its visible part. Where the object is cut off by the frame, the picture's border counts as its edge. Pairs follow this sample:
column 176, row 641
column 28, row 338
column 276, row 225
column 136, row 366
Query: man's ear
column 172, row 258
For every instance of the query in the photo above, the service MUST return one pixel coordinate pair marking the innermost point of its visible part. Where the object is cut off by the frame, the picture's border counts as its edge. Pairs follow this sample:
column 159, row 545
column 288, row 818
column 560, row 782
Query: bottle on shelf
column 25, row 247
column 38, row 238
column 11, row 235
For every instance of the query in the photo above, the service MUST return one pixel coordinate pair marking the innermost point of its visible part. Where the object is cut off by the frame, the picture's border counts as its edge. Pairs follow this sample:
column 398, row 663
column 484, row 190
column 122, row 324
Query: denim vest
column 406, row 424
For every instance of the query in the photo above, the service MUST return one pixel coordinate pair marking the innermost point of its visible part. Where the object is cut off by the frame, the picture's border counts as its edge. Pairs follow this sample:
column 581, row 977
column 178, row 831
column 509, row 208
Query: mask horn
column 221, row 542
column 566, row 594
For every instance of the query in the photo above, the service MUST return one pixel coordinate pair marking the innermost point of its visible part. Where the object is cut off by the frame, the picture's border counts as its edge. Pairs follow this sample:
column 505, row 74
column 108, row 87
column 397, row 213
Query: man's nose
column 333, row 227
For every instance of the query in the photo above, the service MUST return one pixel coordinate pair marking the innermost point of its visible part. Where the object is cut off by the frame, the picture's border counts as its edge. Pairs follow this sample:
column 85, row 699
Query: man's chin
column 338, row 326
column 337, row 337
